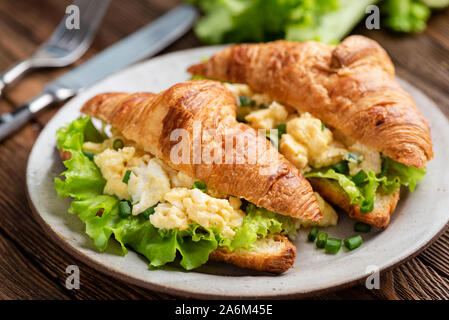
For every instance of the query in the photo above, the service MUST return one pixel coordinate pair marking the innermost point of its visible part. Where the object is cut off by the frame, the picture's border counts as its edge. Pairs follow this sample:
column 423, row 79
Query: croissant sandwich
column 163, row 187
column 341, row 116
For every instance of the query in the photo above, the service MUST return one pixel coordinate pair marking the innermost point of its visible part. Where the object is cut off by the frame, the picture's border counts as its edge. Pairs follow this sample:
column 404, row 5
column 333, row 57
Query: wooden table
column 33, row 267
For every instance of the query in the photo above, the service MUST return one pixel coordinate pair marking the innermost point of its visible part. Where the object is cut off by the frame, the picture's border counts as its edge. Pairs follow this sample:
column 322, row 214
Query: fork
column 65, row 45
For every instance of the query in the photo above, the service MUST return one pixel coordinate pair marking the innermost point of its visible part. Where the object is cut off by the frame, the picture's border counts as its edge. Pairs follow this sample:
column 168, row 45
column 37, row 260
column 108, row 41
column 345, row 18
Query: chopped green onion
column 282, row 129
column 199, row 185
column 341, row 167
column 148, row 212
column 322, row 239
column 124, row 209
column 246, row 102
column 359, row 177
column 362, row 227
column 312, row 234
column 117, row 144
column 332, row 245
column 367, row 206
column 323, row 127
column 353, row 157
column 353, row 242
column 126, row 176
column 89, row 154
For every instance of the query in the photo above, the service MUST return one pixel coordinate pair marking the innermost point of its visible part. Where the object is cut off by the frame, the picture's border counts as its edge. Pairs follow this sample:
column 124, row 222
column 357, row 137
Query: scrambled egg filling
column 186, row 205
column 151, row 182
column 307, row 142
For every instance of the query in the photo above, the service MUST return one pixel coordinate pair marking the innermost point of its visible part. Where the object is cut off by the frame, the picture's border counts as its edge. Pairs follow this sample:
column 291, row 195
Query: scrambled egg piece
column 239, row 89
column 295, row 152
column 192, row 205
column 307, row 141
column 369, row 159
column 169, row 217
column 329, row 218
column 147, row 185
column 113, row 165
column 268, row 118
column 179, row 178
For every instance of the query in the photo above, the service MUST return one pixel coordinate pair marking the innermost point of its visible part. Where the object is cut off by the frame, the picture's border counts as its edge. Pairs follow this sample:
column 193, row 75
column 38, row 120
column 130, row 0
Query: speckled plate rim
column 200, row 52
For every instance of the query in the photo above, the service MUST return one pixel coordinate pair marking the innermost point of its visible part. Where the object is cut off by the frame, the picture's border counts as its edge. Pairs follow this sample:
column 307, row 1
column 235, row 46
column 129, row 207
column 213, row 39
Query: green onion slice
column 332, row 245
column 124, row 209
column 148, row 212
column 117, row 144
column 89, row 154
column 126, row 176
column 353, row 242
column 199, row 185
column 353, row 157
column 312, row 234
column 322, row 240
column 282, row 129
column 246, row 102
column 362, row 227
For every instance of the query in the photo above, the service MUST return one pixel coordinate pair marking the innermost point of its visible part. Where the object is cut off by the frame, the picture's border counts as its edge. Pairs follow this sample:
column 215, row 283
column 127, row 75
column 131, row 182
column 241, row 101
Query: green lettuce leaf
column 408, row 16
column 83, row 179
column 160, row 246
column 258, row 20
column 399, row 173
column 257, row 223
column 345, row 181
column 363, row 191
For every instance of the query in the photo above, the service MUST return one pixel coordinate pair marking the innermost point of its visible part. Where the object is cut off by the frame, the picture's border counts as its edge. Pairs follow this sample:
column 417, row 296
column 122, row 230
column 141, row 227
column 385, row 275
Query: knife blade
column 143, row 43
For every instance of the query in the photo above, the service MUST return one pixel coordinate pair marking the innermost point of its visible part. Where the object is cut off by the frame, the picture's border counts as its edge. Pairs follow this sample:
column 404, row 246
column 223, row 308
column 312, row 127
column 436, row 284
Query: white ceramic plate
column 418, row 219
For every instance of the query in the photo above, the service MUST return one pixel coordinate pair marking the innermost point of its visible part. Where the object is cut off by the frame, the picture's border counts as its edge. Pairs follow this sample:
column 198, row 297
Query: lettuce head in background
column 233, row 21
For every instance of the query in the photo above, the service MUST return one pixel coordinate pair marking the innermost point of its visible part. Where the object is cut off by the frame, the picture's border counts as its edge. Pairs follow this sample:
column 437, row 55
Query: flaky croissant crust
column 351, row 87
column 149, row 119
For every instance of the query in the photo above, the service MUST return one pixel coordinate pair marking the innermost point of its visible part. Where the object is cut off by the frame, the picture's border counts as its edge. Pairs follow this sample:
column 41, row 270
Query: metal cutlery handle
column 12, row 121
column 14, row 73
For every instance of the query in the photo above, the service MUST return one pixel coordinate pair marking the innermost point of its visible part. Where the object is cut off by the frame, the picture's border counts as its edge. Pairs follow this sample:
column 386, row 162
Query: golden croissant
column 149, row 119
column 350, row 87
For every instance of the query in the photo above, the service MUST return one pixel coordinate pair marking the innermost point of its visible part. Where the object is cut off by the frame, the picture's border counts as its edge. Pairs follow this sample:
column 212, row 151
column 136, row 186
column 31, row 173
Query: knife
column 143, row 43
